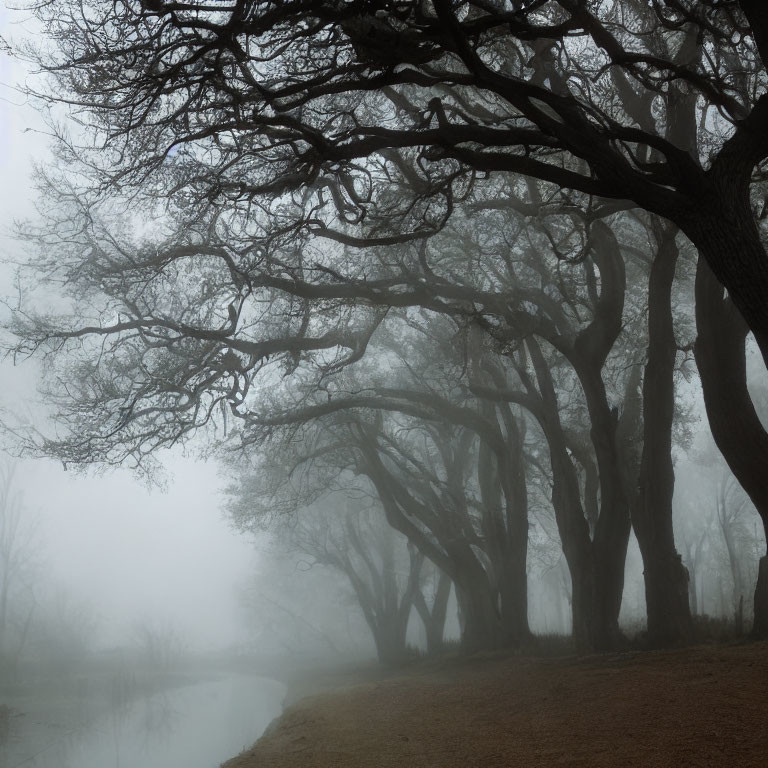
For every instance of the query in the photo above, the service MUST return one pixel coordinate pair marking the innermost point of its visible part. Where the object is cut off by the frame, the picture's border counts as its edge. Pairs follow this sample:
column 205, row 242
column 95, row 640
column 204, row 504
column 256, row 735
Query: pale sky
column 134, row 555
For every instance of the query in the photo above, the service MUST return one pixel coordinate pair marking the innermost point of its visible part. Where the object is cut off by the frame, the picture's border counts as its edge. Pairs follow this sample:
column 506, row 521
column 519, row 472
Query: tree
column 347, row 532
column 290, row 606
column 736, row 426
column 365, row 551
column 261, row 130
column 731, row 505
column 448, row 472
column 342, row 102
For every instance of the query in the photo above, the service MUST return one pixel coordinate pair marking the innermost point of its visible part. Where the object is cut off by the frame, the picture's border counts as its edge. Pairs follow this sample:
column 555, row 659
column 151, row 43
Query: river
column 193, row 726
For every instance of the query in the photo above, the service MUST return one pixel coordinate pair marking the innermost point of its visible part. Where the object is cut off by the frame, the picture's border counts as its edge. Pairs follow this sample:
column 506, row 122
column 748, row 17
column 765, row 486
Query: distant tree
column 733, row 510
column 19, row 556
column 160, row 645
column 64, row 633
column 383, row 574
column 337, row 528
column 292, row 605
column 695, row 539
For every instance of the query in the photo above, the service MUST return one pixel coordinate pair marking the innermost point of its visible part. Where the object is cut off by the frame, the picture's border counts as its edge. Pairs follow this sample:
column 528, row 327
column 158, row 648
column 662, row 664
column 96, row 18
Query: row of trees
column 453, row 248
column 468, row 473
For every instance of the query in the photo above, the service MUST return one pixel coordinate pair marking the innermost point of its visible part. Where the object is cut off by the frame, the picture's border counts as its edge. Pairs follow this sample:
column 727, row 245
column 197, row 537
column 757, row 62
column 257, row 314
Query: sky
column 133, row 555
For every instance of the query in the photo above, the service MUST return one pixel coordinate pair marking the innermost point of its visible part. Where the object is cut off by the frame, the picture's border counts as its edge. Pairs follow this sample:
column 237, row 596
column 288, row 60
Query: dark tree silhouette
column 368, row 120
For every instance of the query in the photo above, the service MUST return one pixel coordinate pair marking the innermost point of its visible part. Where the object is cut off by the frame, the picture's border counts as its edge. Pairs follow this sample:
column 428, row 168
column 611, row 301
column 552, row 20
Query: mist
column 383, row 384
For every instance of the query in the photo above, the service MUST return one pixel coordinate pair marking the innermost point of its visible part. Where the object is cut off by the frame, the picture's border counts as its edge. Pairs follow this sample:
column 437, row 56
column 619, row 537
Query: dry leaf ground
column 705, row 706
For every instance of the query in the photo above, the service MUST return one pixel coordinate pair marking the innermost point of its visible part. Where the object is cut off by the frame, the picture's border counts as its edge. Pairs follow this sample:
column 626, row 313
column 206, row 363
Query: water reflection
column 196, row 726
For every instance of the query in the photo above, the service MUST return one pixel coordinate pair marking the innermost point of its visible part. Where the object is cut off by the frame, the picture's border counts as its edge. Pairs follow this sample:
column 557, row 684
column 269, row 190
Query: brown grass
column 706, row 706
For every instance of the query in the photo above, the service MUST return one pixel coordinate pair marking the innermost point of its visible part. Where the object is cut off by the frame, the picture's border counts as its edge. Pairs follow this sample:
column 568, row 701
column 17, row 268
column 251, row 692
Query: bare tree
column 277, row 138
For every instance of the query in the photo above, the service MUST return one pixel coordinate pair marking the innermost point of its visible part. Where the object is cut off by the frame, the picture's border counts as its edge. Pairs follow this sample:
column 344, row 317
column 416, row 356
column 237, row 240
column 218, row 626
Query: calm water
column 197, row 726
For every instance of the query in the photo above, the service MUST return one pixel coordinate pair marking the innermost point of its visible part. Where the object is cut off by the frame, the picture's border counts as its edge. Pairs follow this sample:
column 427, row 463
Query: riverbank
column 702, row 707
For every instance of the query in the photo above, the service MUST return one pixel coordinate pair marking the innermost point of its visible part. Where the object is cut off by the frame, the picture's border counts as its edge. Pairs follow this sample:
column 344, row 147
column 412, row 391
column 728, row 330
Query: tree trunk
column 433, row 618
column 693, row 594
column 724, row 229
column 481, row 630
column 736, row 428
column 596, row 567
column 435, row 628
column 3, row 611
column 590, row 351
column 691, row 564
column 577, row 549
column 513, row 602
column 609, row 546
column 583, row 606
column 390, row 643
column 514, row 571
column 760, row 626
column 666, row 578
column 503, row 491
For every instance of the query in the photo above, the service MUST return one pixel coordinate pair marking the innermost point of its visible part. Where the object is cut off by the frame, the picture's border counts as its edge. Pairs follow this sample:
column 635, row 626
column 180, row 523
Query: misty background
column 124, row 552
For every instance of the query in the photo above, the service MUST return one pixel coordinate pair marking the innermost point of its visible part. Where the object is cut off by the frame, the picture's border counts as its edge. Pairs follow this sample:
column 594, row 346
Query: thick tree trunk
column 760, row 626
column 434, row 618
column 725, row 244
column 666, row 579
column 596, row 566
column 666, row 597
column 609, row 546
column 736, row 428
column 513, row 601
column 609, row 589
column 590, row 351
column 577, row 549
column 390, row 643
column 481, row 626
column 502, row 480
column 583, row 619
column 514, row 572
column 722, row 224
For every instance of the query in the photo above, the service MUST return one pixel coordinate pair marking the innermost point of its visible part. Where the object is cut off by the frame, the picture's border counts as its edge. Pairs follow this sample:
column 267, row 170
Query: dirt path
column 701, row 707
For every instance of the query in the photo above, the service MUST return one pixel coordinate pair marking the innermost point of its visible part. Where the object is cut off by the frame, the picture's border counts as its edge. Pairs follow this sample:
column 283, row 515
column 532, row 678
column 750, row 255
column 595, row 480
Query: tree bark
column 666, row 578
column 590, row 351
column 510, row 529
column 594, row 626
column 760, row 625
column 613, row 526
column 722, row 225
column 736, row 427
column 434, row 618
column 481, row 630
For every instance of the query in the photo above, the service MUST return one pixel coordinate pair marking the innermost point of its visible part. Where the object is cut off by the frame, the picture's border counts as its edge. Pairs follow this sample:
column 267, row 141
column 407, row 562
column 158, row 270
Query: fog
column 377, row 356
column 131, row 553
column 119, row 557
column 140, row 555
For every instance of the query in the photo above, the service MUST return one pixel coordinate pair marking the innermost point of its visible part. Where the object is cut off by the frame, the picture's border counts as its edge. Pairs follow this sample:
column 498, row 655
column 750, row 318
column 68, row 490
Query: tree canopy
column 367, row 121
